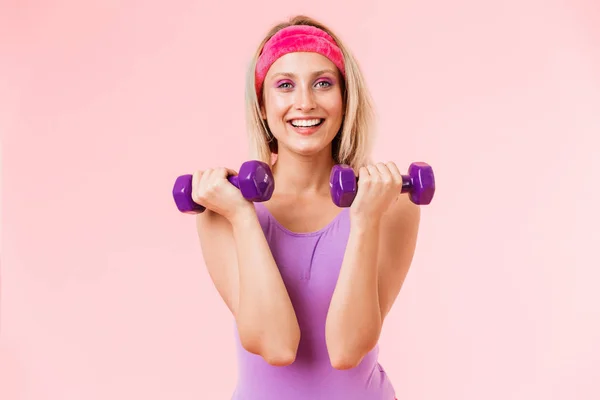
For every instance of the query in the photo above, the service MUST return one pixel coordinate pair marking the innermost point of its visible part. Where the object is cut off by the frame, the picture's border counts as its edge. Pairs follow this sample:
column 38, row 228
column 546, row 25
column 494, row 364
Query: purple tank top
column 309, row 264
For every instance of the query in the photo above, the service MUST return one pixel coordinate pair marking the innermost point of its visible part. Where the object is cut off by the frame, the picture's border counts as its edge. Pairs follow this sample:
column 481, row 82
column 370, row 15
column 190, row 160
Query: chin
column 306, row 145
column 307, row 150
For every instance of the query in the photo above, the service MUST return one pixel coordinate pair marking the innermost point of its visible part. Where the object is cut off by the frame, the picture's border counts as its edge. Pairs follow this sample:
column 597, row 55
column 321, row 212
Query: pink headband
column 297, row 38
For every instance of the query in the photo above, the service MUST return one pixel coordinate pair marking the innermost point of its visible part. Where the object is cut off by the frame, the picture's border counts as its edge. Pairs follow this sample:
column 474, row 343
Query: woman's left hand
column 379, row 186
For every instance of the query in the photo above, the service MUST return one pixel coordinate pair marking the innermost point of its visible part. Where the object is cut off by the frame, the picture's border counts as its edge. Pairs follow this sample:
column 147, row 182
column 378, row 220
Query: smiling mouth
column 306, row 123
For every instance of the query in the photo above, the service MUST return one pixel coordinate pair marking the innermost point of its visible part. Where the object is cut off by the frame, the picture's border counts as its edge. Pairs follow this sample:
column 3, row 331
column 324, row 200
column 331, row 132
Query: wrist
column 242, row 215
column 364, row 223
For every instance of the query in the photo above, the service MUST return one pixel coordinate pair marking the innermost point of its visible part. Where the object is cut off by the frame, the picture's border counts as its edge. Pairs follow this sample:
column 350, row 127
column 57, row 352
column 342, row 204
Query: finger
column 396, row 174
column 374, row 173
column 196, row 176
column 220, row 178
column 385, row 173
column 205, row 178
column 210, row 180
column 224, row 172
column 197, row 179
column 363, row 172
column 363, row 176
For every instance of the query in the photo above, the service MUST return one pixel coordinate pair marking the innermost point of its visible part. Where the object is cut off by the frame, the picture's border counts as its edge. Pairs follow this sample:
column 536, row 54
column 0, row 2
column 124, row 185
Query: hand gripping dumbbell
column 254, row 180
column 419, row 183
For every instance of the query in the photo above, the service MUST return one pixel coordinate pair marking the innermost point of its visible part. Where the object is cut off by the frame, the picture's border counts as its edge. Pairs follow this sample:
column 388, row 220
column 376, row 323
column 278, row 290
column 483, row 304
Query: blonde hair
column 353, row 144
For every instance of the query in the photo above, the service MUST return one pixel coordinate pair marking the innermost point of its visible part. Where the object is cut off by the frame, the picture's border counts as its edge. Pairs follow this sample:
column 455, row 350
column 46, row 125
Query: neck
column 299, row 175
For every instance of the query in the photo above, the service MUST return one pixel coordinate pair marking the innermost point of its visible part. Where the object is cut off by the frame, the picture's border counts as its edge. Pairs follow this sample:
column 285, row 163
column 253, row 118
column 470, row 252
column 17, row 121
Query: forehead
column 301, row 64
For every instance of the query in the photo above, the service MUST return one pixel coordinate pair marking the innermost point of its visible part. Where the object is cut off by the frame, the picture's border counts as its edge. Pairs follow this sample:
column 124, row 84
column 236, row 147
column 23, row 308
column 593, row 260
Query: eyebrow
column 291, row 75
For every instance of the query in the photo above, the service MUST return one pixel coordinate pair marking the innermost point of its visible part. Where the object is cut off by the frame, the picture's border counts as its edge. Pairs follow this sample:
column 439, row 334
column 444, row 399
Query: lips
column 306, row 122
column 306, row 126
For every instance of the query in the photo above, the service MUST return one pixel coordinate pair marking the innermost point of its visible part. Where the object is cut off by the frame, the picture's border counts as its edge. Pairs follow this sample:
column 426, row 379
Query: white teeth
column 306, row 122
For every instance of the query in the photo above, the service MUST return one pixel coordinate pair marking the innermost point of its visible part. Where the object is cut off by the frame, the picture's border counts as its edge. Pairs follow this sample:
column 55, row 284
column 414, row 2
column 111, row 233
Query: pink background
column 103, row 103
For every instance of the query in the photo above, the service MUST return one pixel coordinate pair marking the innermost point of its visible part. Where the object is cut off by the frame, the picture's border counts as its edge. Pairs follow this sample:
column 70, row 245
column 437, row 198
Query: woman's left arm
column 378, row 256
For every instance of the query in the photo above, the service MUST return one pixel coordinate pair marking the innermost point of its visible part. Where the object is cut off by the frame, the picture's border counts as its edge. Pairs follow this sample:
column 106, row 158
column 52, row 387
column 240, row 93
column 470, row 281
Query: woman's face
column 303, row 102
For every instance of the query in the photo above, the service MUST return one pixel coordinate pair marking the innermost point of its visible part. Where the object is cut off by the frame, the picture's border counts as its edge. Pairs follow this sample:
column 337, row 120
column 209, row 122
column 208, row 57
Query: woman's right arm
column 240, row 263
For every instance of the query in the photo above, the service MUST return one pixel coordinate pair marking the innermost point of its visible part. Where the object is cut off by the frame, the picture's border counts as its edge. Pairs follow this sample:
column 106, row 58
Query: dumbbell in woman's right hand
column 192, row 196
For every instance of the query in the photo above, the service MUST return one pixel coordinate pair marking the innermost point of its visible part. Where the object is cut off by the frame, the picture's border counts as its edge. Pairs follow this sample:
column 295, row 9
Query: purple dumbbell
column 254, row 180
column 419, row 183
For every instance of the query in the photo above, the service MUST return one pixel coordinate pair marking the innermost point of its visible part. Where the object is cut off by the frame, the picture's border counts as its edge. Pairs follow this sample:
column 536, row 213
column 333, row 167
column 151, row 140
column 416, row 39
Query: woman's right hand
column 212, row 190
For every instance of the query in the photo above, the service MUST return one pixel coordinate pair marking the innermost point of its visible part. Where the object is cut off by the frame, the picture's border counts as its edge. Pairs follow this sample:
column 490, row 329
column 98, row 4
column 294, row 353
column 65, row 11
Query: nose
column 305, row 100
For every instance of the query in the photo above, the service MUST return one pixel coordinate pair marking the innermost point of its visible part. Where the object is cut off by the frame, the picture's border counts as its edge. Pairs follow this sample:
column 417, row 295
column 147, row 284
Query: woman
column 309, row 284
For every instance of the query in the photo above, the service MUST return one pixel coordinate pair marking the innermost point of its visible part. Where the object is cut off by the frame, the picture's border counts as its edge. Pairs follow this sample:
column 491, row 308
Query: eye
column 284, row 85
column 323, row 84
